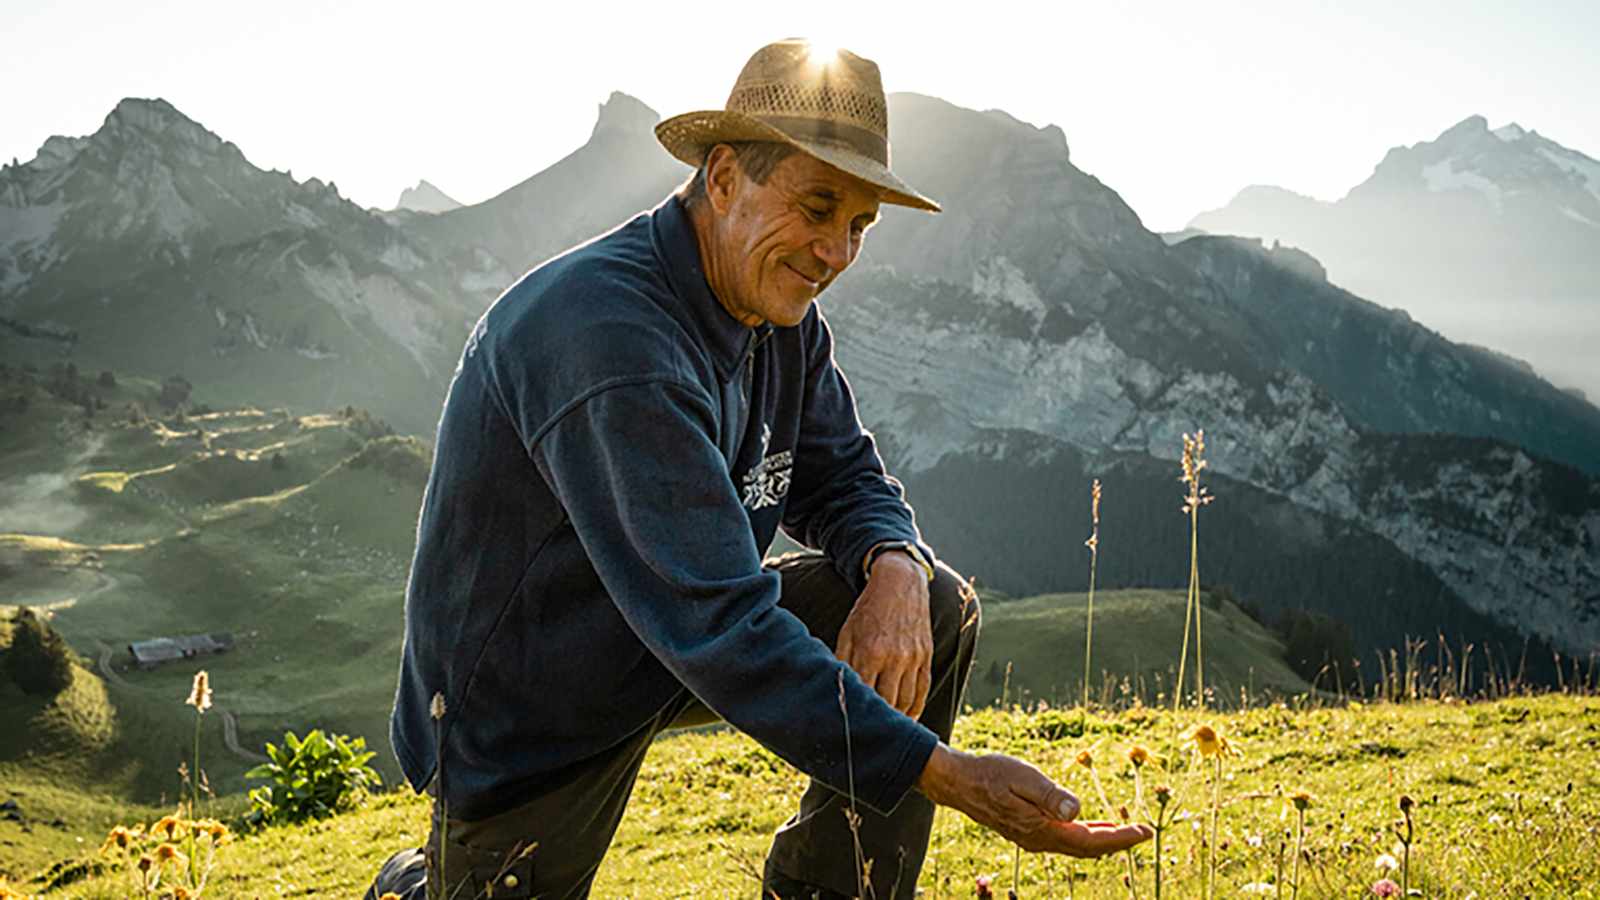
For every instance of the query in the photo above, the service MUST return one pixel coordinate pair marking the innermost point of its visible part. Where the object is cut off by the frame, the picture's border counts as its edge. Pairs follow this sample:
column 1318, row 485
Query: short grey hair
column 756, row 159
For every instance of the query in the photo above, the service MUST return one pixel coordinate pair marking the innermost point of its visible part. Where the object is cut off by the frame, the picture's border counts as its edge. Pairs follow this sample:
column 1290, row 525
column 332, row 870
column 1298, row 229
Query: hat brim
column 690, row 136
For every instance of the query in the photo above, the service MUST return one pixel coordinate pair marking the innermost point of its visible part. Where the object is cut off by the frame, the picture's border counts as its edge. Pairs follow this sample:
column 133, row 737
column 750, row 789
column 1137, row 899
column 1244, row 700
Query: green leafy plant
column 312, row 777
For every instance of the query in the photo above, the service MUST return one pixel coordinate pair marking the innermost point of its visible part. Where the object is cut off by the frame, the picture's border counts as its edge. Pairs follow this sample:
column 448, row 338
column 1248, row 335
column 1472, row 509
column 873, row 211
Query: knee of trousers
column 953, row 607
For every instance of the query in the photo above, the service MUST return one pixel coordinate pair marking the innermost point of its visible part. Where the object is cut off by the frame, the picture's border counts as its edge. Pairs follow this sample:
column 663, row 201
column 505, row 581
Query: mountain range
column 1491, row 236
column 1032, row 337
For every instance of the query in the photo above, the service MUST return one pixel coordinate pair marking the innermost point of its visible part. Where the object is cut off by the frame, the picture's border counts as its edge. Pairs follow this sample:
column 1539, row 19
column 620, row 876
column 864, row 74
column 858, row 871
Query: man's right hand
column 1021, row 803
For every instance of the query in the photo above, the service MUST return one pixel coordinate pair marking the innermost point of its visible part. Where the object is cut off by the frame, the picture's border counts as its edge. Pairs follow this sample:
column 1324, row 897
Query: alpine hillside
column 1489, row 235
column 1030, row 338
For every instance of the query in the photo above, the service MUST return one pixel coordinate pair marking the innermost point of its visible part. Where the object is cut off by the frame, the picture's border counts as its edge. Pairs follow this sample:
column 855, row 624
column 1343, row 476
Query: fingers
column 924, row 682
column 1096, row 839
column 1055, row 801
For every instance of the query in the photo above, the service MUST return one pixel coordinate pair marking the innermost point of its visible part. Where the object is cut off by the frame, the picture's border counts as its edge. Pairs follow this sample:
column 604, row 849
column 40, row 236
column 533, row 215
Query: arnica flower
column 1085, row 759
column 1208, row 743
column 119, row 839
column 1384, row 887
column 1386, row 863
column 390, row 896
column 146, row 862
column 1163, row 794
column 166, row 853
column 1301, row 800
column 200, row 693
column 1138, row 756
column 169, row 825
column 181, row 893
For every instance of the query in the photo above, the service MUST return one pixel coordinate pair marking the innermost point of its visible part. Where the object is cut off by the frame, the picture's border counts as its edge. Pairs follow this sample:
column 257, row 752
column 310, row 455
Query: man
column 629, row 426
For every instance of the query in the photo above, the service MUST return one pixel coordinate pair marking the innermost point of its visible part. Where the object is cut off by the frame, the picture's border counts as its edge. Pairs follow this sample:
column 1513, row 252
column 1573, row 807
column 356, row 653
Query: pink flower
column 983, row 886
column 1384, row 887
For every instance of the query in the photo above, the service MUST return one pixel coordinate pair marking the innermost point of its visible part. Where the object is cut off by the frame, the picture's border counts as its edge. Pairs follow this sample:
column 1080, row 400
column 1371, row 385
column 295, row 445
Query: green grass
column 1508, row 805
column 159, row 531
column 1137, row 635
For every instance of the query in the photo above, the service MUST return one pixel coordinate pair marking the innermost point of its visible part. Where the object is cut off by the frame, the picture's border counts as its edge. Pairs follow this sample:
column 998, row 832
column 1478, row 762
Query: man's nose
column 833, row 249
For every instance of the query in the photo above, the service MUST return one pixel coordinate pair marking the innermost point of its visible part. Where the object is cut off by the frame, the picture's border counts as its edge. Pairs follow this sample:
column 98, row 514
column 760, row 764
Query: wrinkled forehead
column 805, row 174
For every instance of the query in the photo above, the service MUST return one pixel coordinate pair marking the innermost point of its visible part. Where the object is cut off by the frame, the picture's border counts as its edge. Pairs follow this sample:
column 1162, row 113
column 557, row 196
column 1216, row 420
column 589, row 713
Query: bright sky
column 1175, row 105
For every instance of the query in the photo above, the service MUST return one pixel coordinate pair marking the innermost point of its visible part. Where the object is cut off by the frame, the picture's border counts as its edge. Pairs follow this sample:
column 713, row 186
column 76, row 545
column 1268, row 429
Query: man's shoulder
column 606, row 270
column 604, row 308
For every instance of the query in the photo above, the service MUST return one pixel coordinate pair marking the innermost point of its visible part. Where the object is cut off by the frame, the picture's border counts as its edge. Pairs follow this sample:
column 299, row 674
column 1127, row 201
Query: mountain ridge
column 1038, row 304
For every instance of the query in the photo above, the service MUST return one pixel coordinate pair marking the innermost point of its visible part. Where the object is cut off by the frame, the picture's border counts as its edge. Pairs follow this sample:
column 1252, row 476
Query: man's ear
column 723, row 177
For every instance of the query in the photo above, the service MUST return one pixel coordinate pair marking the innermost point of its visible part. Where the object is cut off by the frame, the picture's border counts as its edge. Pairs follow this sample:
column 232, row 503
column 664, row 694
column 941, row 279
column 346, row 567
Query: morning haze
column 221, row 385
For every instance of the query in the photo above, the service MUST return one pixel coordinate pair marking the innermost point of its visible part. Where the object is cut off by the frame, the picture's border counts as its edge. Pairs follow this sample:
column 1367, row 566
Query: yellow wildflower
column 1138, row 755
column 166, row 853
column 1208, row 743
column 119, row 839
column 169, row 825
column 200, row 693
column 1085, row 759
column 1301, row 800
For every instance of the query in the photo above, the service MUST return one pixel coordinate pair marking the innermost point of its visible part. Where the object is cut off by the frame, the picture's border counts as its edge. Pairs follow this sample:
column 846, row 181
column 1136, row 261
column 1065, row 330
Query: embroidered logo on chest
column 767, row 482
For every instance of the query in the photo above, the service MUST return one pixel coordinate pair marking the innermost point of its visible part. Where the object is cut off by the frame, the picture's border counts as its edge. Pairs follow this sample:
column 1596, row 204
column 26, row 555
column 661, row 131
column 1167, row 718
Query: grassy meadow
column 1507, row 805
column 292, row 533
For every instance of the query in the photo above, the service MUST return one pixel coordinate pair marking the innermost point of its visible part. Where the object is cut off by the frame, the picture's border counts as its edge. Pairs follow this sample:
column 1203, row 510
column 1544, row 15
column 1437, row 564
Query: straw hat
column 830, row 106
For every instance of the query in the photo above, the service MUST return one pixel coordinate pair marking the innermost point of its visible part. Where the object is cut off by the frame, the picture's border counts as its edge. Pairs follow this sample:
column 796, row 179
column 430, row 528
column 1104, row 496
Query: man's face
column 783, row 242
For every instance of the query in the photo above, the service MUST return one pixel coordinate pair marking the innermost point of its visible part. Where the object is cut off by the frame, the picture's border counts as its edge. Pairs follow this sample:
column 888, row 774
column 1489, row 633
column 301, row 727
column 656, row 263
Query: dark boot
column 404, row 874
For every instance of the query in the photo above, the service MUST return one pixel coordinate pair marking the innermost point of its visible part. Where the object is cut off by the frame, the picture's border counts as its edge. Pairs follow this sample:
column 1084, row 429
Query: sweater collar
column 726, row 337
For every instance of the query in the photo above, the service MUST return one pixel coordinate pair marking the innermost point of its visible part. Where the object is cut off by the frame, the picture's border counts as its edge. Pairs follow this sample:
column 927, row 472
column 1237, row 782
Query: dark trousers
column 570, row 825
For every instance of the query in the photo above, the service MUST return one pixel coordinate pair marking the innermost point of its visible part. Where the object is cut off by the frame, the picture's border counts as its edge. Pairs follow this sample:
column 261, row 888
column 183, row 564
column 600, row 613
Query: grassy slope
column 210, row 534
column 1138, row 635
column 1508, row 805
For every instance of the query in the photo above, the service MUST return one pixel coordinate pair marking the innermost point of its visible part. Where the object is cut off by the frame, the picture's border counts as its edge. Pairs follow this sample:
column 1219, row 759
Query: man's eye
column 814, row 214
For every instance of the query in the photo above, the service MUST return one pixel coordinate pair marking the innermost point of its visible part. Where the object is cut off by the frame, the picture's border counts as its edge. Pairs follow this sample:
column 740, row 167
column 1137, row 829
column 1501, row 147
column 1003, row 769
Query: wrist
column 902, row 551
column 940, row 775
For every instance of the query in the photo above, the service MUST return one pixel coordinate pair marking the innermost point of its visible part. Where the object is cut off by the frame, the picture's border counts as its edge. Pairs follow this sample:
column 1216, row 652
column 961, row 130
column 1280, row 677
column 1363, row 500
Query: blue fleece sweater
column 615, row 454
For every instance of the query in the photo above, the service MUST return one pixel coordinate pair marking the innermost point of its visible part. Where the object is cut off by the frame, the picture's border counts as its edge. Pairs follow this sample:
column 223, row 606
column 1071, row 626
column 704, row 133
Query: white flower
column 1386, row 863
column 1258, row 887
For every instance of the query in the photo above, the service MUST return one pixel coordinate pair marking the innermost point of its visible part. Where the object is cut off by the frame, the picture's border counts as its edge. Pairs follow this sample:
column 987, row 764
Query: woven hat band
column 852, row 137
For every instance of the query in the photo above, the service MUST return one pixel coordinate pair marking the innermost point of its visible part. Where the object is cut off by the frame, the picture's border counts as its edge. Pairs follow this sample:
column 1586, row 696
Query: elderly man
column 629, row 426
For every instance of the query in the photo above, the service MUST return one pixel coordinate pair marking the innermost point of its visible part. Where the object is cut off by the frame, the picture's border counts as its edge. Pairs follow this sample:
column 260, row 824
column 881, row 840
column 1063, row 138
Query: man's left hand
column 888, row 637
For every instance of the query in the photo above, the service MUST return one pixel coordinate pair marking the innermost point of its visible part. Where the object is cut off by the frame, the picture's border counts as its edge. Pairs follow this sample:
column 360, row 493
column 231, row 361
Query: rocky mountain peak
column 624, row 114
column 1472, row 126
column 156, row 120
column 1510, row 132
column 427, row 198
column 58, row 150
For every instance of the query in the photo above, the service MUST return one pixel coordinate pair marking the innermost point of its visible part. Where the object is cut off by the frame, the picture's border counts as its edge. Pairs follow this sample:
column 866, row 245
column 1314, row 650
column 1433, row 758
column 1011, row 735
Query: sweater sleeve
column 640, row 476
column 841, row 500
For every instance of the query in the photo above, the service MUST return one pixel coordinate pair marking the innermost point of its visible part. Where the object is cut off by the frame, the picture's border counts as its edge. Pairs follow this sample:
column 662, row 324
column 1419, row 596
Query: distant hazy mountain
column 1492, row 237
column 1033, row 336
column 426, row 198
column 157, row 247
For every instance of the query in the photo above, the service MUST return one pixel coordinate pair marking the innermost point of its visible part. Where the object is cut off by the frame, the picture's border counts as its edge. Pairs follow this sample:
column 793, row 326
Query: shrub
column 39, row 661
column 312, row 777
column 174, row 391
column 1313, row 640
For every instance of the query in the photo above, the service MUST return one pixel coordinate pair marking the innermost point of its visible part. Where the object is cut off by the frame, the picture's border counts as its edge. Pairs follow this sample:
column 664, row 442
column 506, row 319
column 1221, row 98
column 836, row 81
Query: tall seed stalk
column 1093, row 543
column 200, row 699
column 436, row 711
column 1194, row 461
